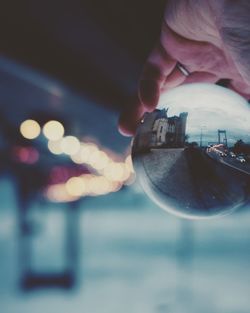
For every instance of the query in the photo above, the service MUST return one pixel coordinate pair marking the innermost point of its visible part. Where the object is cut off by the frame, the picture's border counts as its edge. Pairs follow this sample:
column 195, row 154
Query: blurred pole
column 24, row 252
column 185, row 256
column 71, row 243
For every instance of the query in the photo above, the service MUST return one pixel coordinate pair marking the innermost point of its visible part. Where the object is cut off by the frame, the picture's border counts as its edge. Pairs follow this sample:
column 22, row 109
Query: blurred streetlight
column 30, row 129
column 70, row 145
column 53, row 130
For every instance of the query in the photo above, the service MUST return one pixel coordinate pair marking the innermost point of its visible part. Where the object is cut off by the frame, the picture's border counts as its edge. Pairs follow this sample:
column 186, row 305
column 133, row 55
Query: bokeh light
column 55, row 147
column 87, row 151
column 30, row 129
column 99, row 160
column 75, row 186
column 70, row 145
column 129, row 163
column 109, row 175
column 77, row 158
column 27, row 155
column 114, row 171
column 99, row 185
column 53, row 130
column 58, row 193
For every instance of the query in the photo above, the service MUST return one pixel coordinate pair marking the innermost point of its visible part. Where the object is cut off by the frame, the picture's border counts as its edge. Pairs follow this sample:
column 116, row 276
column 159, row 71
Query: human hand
column 190, row 36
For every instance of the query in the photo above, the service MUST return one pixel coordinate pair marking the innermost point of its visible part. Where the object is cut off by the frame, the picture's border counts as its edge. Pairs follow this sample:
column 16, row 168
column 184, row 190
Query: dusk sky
column 210, row 107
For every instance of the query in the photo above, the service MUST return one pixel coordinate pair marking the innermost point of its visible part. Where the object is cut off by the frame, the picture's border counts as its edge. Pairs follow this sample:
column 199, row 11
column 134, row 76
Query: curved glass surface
column 192, row 154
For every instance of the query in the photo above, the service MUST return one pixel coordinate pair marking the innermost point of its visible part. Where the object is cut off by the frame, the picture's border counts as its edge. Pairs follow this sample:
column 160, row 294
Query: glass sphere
column 192, row 154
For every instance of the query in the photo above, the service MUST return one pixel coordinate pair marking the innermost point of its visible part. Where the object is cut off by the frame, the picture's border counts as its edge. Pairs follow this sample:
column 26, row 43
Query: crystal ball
column 192, row 154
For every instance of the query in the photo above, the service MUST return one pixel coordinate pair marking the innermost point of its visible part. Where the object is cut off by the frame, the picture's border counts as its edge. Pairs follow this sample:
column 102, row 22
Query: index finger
column 158, row 66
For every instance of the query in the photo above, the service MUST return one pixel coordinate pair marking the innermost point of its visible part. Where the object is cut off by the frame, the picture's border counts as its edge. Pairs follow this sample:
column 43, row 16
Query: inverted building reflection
column 205, row 172
column 157, row 130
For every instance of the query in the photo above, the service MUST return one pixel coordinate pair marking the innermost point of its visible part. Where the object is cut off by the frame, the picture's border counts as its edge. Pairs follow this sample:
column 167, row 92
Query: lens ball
column 192, row 154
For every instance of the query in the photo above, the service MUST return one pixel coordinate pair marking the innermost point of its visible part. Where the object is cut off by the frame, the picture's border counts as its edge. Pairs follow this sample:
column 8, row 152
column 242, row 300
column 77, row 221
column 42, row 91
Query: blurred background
column 76, row 231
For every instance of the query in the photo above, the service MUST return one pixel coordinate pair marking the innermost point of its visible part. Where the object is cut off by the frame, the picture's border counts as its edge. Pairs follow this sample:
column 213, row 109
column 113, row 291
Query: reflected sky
column 210, row 107
column 173, row 166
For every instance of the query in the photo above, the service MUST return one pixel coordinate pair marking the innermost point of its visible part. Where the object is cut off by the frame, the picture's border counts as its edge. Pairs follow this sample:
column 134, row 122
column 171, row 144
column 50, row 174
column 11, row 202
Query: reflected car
column 222, row 154
column 241, row 159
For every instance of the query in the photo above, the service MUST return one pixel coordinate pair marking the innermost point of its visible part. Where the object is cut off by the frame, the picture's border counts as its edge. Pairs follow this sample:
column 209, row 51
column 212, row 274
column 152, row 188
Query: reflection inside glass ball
column 192, row 154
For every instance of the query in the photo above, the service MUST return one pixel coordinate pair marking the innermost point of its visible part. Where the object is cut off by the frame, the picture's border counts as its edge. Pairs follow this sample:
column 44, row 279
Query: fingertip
column 126, row 126
column 129, row 120
column 149, row 93
column 125, row 131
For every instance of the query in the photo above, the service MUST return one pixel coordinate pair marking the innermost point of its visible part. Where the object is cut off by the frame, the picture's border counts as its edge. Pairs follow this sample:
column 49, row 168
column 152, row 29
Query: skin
column 191, row 35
